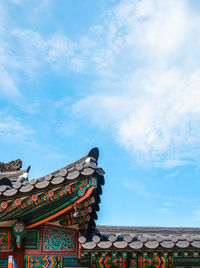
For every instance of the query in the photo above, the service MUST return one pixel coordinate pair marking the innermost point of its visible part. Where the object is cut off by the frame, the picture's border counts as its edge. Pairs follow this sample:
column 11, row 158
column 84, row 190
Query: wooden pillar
column 19, row 258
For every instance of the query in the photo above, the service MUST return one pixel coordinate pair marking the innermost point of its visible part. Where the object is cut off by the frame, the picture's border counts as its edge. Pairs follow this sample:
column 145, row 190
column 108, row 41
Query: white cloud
column 196, row 215
column 152, row 103
column 13, row 131
column 156, row 25
column 164, row 211
column 168, row 204
column 58, row 50
column 8, row 86
column 23, row 52
column 172, row 175
column 40, row 4
column 166, row 208
column 159, row 124
column 137, row 187
column 145, row 59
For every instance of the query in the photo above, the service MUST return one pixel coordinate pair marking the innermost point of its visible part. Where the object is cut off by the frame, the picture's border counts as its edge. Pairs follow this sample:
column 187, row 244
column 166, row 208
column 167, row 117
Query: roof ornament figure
column 11, row 166
column 11, row 173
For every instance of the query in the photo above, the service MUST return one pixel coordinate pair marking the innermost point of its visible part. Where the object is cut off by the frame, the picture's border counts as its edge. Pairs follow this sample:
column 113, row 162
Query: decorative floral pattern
column 34, row 200
column 5, row 237
column 58, row 239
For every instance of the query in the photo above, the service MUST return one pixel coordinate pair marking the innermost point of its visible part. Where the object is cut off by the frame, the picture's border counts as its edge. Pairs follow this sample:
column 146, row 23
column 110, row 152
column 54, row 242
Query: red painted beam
column 62, row 211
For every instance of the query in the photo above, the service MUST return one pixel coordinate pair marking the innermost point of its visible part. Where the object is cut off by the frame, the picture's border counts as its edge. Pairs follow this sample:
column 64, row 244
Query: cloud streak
column 13, row 131
column 137, row 187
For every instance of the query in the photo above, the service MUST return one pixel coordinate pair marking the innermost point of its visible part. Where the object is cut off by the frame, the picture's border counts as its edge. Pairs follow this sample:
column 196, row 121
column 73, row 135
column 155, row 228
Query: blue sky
column 120, row 75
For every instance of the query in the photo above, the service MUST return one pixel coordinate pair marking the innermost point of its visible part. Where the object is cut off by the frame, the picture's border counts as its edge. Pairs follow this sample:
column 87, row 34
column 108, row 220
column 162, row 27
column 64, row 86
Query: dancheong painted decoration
column 44, row 261
column 5, row 239
column 55, row 239
column 50, row 222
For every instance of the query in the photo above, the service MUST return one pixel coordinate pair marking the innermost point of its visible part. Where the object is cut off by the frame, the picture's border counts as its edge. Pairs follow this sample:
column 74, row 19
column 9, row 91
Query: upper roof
column 69, row 195
column 16, row 183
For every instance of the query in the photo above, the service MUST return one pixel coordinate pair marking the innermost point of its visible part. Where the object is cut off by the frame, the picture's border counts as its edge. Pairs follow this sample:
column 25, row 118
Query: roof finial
column 14, row 165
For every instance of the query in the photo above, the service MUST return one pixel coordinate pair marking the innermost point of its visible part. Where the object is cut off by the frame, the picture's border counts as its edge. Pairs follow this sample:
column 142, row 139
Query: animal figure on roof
column 14, row 165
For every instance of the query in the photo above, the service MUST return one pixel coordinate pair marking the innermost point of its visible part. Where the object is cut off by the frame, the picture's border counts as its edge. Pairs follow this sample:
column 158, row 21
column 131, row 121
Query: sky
column 120, row 75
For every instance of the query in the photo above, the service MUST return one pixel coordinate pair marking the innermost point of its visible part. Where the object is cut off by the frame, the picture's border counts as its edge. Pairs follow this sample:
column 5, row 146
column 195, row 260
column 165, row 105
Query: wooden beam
column 64, row 210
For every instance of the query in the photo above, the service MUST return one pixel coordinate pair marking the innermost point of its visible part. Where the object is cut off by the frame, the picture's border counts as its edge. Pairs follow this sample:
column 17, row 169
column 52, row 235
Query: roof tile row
column 145, row 238
column 86, row 166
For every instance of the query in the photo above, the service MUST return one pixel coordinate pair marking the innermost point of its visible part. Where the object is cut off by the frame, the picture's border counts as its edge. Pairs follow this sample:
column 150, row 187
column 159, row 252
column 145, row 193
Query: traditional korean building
column 50, row 222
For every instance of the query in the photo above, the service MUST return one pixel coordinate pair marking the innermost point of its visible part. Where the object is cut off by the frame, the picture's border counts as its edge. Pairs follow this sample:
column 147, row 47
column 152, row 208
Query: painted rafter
column 36, row 199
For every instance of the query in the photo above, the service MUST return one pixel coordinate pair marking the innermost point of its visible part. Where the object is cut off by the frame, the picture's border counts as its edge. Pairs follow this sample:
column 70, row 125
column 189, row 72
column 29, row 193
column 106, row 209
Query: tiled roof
column 16, row 183
column 136, row 238
column 68, row 196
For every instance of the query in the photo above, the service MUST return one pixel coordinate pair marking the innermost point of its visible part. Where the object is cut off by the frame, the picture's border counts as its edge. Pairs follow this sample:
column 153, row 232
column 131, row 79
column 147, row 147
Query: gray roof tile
column 86, row 166
column 120, row 237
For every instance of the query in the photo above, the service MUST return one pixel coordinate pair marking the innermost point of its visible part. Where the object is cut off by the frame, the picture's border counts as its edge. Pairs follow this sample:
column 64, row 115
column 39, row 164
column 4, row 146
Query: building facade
column 50, row 222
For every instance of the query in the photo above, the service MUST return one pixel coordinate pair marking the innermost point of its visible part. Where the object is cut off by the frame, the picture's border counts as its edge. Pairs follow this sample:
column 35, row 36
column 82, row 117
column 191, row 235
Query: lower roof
column 114, row 229
column 139, row 238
